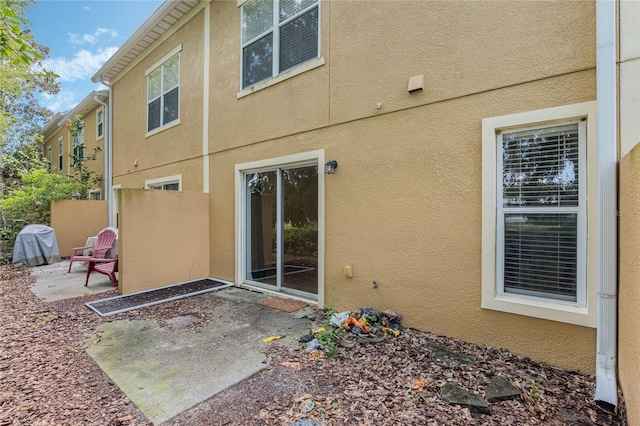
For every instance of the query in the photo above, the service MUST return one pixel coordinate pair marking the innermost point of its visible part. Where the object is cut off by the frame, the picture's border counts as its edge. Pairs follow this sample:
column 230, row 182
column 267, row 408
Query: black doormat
column 129, row 302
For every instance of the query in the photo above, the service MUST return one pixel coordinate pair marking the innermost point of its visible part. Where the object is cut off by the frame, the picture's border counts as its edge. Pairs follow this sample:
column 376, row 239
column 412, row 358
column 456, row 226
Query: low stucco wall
column 75, row 220
column 629, row 288
column 163, row 238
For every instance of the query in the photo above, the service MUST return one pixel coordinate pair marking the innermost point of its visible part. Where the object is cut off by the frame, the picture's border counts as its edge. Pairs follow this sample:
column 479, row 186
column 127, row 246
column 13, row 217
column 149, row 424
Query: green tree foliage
column 31, row 202
column 22, row 75
column 15, row 44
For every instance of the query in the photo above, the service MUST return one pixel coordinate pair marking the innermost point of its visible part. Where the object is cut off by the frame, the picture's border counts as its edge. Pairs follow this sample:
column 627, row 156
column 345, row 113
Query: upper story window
column 60, row 155
column 49, row 150
column 99, row 124
column 163, row 93
column 277, row 35
column 78, row 148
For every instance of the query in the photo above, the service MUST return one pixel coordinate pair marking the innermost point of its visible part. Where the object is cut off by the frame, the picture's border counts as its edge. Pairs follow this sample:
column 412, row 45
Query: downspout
column 106, row 144
column 606, row 394
column 108, row 153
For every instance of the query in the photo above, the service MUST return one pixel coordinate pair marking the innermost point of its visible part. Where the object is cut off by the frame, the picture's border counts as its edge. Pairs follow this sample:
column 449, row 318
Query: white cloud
column 81, row 39
column 82, row 66
column 63, row 101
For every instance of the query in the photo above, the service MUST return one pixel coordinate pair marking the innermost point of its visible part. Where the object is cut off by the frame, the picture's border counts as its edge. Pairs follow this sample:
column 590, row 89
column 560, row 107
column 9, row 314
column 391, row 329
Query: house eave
column 153, row 28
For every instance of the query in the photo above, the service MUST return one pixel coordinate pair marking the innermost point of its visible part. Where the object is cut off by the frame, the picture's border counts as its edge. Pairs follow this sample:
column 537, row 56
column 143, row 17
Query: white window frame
column 77, row 142
column 277, row 76
column 100, row 123
column 583, row 311
column 240, row 216
column 167, row 180
column 50, row 157
column 92, row 194
column 60, row 154
column 160, row 64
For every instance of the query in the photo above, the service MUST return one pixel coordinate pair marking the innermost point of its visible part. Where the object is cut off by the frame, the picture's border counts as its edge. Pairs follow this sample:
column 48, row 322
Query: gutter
column 108, row 152
column 606, row 395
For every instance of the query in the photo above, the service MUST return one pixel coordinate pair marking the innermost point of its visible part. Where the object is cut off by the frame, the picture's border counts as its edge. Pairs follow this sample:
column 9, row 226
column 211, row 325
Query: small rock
column 304, row 422
column 307, row 406
column 369, row 313
column 442, row 352
column 452, row 393
column 500, row 389
column 306, row 338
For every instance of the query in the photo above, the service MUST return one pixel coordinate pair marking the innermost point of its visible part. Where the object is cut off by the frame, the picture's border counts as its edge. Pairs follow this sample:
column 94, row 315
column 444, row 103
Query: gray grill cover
column 36, row 245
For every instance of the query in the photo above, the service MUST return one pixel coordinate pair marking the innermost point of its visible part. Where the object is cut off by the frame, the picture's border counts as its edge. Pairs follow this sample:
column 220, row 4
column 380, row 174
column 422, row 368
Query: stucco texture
column 404, row 207
column 174, row 147
column 629, row 290
column 163, row 238
column 76, row 220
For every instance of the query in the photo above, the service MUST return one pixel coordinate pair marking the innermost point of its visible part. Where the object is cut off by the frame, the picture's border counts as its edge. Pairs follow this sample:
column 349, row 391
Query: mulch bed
column 48, row 379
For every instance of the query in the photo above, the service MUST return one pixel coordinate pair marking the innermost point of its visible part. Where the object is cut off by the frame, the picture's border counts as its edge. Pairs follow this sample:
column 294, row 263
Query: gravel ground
column 48, row 379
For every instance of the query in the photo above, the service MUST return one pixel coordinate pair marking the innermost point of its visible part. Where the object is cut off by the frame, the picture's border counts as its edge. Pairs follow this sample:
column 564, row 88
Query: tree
column 22, row 74
column 15, row 44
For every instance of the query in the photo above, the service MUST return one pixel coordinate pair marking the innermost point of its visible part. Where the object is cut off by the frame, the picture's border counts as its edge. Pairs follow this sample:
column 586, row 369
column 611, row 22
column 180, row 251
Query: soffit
column 159, row 23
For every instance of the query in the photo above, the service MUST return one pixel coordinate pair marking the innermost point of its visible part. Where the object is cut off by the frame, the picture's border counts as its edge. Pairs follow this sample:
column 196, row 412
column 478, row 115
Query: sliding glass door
column 281, row 229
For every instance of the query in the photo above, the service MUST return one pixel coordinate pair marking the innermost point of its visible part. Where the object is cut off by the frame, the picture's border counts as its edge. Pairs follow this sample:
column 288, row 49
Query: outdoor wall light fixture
column 331, row 167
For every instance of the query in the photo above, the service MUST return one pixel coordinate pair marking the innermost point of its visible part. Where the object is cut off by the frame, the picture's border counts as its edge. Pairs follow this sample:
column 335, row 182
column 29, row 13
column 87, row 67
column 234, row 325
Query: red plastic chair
column 105, row 241
column 108, row 267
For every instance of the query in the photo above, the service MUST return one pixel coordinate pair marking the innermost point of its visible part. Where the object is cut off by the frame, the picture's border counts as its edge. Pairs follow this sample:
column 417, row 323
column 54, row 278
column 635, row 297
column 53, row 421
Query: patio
column 161, row 364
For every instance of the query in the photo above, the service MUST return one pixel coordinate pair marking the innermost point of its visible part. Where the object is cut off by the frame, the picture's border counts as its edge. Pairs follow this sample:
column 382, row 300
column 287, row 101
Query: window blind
column 540, row 202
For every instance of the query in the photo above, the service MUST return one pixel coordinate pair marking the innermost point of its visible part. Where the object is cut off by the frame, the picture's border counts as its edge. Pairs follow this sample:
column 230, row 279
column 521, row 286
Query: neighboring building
column 59, row 143
column 470, row 137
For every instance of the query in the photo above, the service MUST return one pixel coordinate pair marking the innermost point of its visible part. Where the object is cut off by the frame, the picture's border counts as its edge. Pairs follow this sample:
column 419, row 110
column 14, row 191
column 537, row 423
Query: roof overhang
column 85, row 106
column 153, row 28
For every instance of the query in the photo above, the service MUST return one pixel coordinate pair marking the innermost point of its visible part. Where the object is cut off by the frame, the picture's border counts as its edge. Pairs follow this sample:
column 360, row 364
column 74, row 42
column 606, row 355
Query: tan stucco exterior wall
column 629, row 286
column 52, row 141
column 162, row 238
column 405, row 206
column 76, row 220
column 91, row 141
column 176, row 150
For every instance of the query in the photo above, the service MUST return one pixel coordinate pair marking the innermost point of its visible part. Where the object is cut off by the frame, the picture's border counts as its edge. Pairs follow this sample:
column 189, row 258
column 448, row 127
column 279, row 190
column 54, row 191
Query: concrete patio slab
column 54, row 283
column 161, row 365
column 167, row 370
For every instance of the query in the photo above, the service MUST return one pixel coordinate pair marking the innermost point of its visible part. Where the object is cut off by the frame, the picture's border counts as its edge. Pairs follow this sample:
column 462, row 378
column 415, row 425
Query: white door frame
column 240, row 212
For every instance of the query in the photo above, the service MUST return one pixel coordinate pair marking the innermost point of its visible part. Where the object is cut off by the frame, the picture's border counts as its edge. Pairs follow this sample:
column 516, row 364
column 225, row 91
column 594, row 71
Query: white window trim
column 95, row 191
column 148, row 71
column 300, row 69
column 584, row 313
column 98, row 122
column 285, row 75
column 163, row 181
column 240, row 216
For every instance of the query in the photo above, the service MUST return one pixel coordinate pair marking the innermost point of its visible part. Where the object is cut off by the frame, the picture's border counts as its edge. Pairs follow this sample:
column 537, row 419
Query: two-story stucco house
column 59, row 142
column 473, row 149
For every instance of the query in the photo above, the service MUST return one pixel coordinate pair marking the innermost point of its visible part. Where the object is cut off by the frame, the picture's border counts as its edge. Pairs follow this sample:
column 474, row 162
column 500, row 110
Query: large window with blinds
column 538, row 252
column 277, row 35
column 540, row 211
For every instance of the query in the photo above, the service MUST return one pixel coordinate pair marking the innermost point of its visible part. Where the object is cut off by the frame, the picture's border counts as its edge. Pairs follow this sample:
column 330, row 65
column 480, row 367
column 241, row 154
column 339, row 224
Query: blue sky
column 81, row 36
